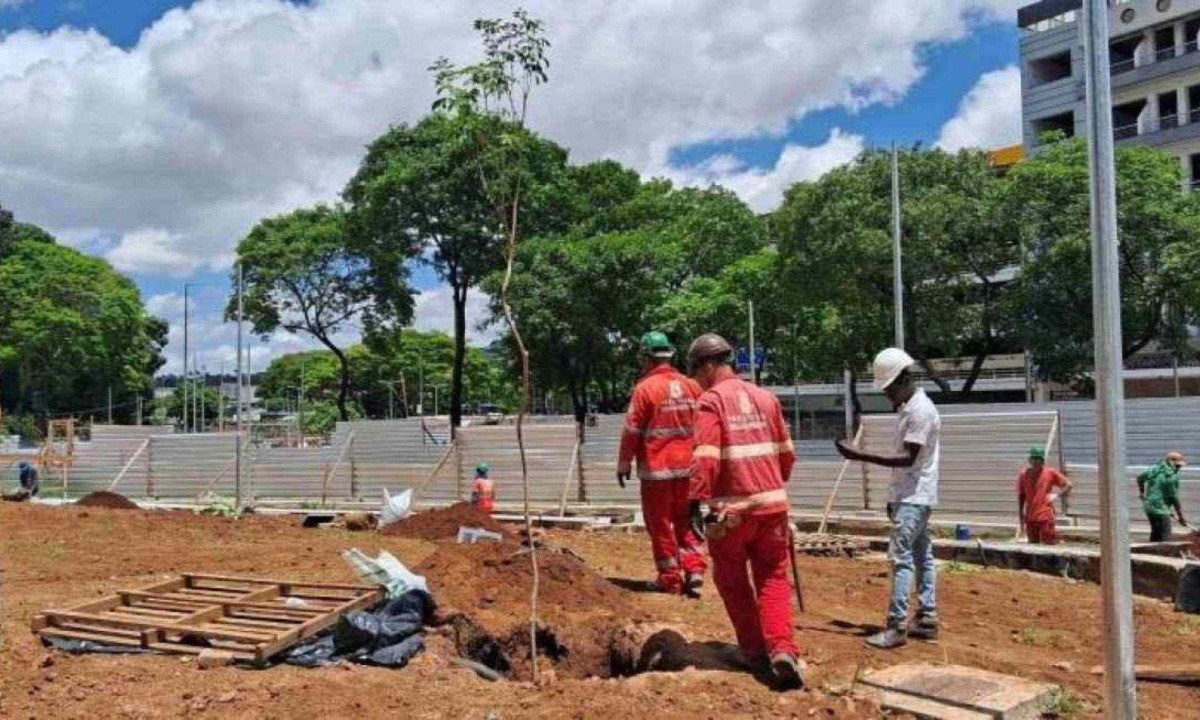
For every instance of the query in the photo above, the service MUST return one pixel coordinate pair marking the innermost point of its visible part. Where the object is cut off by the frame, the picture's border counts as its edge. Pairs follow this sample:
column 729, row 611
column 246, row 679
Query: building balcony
column 1162, row 63
column 1165, row 130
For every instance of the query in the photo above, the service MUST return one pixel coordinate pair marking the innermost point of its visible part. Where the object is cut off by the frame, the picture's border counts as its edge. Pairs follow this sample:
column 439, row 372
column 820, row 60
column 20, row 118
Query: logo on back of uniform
column 748, row 417
column 675, row 388
column 744, row 405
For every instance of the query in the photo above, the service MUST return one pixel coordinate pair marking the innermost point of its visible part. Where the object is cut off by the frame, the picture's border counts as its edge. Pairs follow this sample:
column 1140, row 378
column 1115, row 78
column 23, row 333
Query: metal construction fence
column 982, row 450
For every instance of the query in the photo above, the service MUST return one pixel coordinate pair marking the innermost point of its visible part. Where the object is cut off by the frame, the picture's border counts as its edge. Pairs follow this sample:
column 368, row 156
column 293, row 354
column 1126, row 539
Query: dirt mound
column 443, row 523
column 105, row 499
column 488, row 584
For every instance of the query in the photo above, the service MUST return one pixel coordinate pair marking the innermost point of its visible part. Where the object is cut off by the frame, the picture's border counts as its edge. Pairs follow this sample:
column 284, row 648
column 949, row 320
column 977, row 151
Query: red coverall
column 658, row 432
column 483, row 494
column 1033, row 487
column 744, row 455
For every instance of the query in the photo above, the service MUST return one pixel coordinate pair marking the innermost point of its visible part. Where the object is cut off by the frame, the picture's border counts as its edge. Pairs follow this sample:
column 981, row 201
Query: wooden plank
column 1181, row 673
column 292, row 583
column 317, row 624
column 267, row 593
column 148, row 624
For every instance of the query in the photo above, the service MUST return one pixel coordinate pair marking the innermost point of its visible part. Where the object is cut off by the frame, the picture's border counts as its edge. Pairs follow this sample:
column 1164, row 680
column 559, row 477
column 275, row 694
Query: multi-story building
column 1155, row 74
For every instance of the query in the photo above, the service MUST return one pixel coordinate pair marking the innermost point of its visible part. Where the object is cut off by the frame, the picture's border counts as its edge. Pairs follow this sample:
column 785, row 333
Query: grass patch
column 1188, row 625
column 955, row 567
column 1064, row 704
column 1038, row 637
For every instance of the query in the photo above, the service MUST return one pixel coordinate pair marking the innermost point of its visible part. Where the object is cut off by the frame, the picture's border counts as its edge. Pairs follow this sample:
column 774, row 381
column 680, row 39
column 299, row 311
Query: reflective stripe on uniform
column 707, row 451
column 665, row 564
column 667, row 432
column 664, row 474
column 741, row 452
column 750, row 502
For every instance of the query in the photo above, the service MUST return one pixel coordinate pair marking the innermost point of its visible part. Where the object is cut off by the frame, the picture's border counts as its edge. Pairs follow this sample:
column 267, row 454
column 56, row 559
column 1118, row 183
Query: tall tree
column 300, row 276
column 419, row 193
column 71, row 329
column 1046, row 205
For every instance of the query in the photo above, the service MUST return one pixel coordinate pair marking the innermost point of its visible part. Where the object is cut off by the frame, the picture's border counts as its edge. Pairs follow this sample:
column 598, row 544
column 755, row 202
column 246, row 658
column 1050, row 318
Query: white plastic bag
column 385, row 571
column 395, row 508
column 470, row 535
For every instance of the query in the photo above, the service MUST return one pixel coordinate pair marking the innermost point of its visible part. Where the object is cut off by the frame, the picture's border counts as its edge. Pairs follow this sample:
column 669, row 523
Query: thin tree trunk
column 460, row 356
column 523, row 409
column 344, row 379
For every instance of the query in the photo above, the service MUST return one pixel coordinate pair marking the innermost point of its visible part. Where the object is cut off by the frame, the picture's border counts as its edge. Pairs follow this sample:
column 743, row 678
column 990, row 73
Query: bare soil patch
column 106, row 499
column 443, row 523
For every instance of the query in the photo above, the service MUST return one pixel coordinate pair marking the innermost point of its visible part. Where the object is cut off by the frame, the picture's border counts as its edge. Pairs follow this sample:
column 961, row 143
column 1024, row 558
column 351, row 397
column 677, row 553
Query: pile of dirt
column 486, row 588
column 443, row 523
column 105, row 499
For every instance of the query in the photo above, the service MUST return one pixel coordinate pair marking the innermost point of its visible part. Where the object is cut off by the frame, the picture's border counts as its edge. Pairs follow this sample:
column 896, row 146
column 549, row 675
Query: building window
column 1125, row 119
column 1194, row 167
column 1120, row 53
column 1164, row 43
column 1193, row 102
column 1168, row 110
column 1191, row 29
column 1050, row 68
column 1062, row 123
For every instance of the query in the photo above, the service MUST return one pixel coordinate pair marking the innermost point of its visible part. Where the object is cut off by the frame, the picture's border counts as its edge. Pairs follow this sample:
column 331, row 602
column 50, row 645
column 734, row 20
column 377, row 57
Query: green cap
column 482, row 468
column 656, row 344
column 1037, row 452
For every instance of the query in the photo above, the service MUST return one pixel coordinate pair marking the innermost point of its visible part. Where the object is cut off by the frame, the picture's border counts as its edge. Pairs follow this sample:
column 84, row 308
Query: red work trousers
column 1042, row 532
column 761, row 612
column 675, row 546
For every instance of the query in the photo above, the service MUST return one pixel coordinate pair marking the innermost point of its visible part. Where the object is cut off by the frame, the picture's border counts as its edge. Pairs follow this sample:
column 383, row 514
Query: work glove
column 622, row 476
column 696, row 517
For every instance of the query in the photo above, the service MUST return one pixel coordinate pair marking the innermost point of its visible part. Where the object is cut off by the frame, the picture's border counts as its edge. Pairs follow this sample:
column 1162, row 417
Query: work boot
column 785, row 672
column 891, row 637
column 924, row 627
column 692, row 585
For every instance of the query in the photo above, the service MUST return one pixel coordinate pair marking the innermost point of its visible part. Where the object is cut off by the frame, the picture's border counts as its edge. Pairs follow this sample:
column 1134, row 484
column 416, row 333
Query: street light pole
column 753, row 364
column 185, row 357
column 1120, row 693
column 897, row 275
column 241, row 417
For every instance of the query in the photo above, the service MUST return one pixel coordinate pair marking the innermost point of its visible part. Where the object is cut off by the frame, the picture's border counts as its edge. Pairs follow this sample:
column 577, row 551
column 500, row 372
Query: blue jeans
column 911, row 549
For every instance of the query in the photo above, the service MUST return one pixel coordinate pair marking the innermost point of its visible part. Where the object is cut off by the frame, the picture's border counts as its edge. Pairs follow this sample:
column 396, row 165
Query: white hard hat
column 889, row 364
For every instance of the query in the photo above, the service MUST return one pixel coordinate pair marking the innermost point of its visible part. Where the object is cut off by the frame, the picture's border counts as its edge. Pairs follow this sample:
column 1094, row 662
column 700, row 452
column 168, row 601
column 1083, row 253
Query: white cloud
column 435, row 311
column 231, row 110
column 9, row 4
column 763, row 188
column 989, row 116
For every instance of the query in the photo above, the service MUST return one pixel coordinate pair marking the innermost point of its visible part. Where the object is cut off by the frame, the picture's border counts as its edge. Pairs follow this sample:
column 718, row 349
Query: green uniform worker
column 1158, row 489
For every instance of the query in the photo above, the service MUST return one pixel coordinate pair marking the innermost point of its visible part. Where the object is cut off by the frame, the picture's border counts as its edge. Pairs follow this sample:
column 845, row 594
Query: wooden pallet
column 252, row 619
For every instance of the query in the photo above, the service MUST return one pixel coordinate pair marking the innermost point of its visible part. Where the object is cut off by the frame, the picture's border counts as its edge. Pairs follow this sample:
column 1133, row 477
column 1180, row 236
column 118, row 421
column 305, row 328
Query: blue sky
column 164, row 165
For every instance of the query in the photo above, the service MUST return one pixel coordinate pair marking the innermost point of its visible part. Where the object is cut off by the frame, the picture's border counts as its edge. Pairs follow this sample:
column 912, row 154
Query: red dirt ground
column 1038, row 627
column 105, row 499
column 443, row 523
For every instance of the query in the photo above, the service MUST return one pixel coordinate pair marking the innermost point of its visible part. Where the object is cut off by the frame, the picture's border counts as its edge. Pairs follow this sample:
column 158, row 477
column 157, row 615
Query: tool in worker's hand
column 622, row 476
column 795, row 567
column 696, row 518
column 717, row 524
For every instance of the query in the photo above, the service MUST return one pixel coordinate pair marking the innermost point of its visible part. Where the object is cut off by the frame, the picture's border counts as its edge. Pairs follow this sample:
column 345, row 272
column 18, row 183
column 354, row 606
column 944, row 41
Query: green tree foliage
column 834, row 239
column 587, row 294
column 1045, row 204
column 301, row 276
column 420, row 193
column 70, row 329
column 385, row 379
column 206, row 403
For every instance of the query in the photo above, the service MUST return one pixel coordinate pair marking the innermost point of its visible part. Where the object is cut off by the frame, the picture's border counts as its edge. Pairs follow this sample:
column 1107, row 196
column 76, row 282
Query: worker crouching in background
column 658, row 433
column 1038, row 487
column 744, row 456
column 1158, row 489
column 483, row 492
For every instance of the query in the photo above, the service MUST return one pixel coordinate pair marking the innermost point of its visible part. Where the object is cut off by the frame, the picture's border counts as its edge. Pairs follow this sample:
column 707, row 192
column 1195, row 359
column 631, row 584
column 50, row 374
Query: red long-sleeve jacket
column 744, row 452
column 658, row 425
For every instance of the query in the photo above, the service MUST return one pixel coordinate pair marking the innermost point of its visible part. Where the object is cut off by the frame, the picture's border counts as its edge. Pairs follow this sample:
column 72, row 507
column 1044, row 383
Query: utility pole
column 897, row 275
column 300, row 404
column 197, row 416
column 139, row 409
column 110, row 404
column 753, row 364
column 237, row 457
column 221, row 400
column 1120, row 692
column 404, row 394
column 203, row 389
column 420, row 384
column 184, row 405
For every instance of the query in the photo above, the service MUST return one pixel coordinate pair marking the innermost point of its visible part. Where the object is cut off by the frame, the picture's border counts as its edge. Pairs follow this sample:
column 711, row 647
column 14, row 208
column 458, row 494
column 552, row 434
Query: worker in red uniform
column 744, row 456
column 1038, row 486
column 483, row 493
column 658, row 433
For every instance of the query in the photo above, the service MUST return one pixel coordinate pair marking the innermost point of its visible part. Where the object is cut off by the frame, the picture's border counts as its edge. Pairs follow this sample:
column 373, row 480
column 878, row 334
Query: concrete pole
column 897, row 275
column 753, row 363
column 241, row 413
column 847, row 403
column 1120, row 694
column 110, row 404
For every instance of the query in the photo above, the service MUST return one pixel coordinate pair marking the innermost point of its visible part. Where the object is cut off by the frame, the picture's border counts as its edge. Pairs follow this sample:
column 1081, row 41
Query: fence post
column 866, row 474
column 150, row 469
column 456, row 442
column 353, row 477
